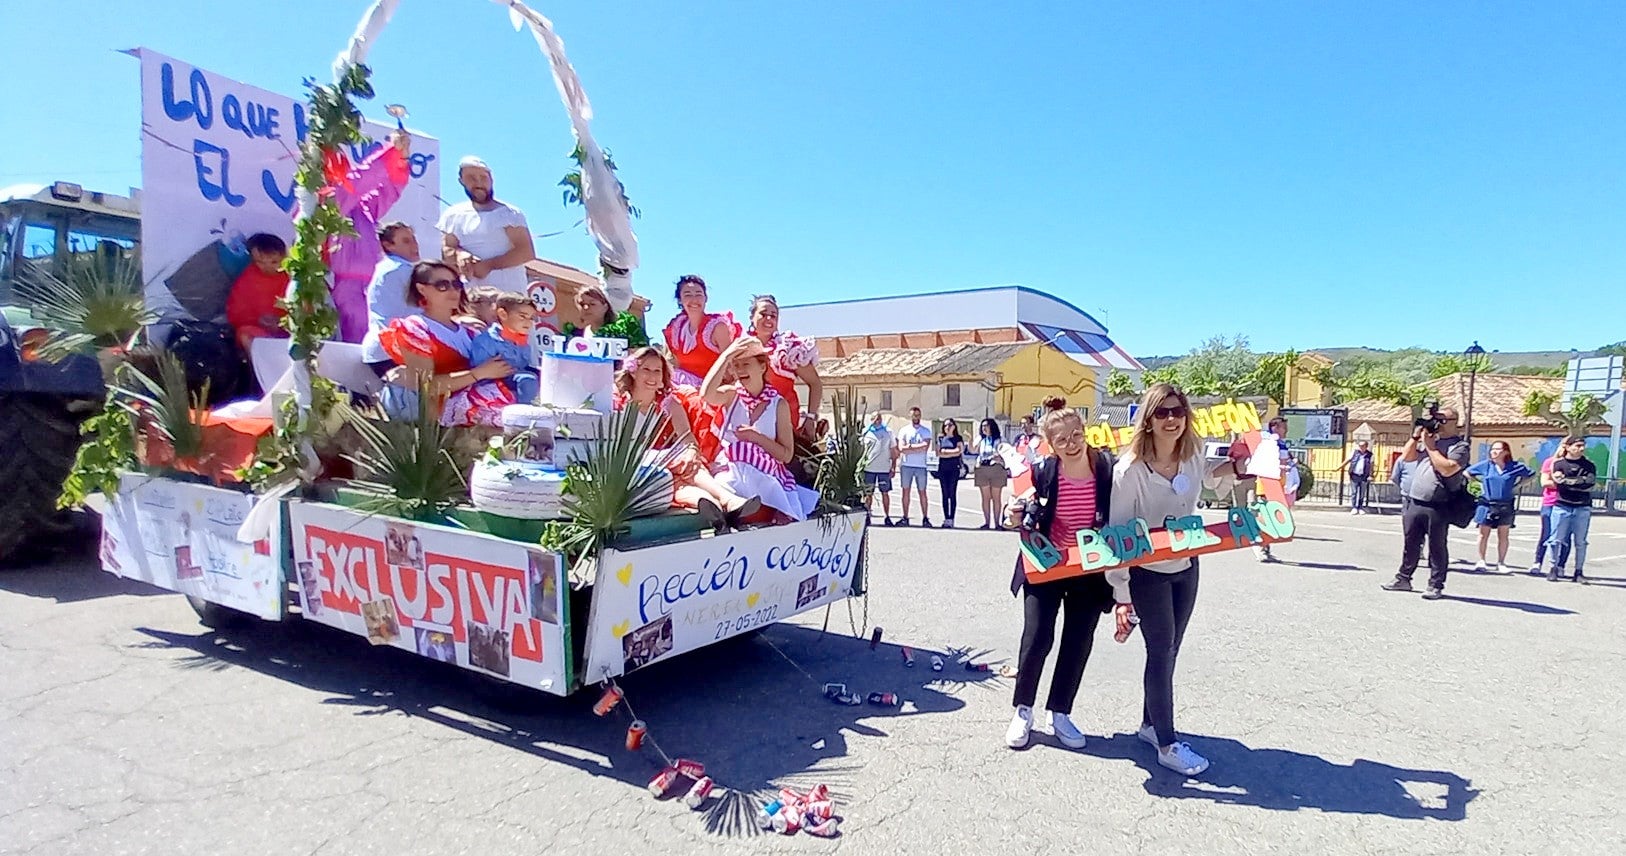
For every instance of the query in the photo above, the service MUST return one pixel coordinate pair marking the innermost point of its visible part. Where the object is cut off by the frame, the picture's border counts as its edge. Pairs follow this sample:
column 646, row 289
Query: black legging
column 948, row 478
column 1163, row 602
column 1080, row 600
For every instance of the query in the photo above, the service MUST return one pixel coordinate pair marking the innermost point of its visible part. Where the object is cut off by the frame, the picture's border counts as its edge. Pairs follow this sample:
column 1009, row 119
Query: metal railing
column 1332, row 487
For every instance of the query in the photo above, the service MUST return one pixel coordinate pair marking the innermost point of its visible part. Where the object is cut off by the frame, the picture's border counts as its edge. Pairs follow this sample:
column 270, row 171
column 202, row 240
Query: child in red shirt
column 251, row 308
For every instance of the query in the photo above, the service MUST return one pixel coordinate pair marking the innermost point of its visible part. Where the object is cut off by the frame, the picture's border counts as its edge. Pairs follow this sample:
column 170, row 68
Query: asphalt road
column 1340, row 719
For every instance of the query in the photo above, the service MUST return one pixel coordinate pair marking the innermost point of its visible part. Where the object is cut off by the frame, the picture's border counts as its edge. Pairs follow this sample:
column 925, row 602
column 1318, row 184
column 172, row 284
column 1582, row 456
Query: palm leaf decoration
column 613, row 485
column 406, row 468
column 166, row 406
column 97, row 307
column 841, row 466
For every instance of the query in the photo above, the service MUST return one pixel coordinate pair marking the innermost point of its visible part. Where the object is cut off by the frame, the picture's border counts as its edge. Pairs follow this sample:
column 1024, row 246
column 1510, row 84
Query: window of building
column 886, row 400
column 951, row 395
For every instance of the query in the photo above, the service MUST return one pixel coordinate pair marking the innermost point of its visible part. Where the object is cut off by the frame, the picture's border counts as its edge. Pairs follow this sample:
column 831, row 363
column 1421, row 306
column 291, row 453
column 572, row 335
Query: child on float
column 1161, row 476
column 646, row 381
column 1072, row 491
column 510, row 341
column 756, row 429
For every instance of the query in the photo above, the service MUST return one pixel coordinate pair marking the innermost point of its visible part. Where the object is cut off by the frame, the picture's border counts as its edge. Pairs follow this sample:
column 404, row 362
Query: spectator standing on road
column 950, row 468
column 1549, row 498
column 1161, row 476
column 1439, row 474
column 1360, row 477
column 1073, row 489
column 1027, row 441
column 1575, row 477
column 1498, row 476
column 1276, row 435
column 990, row 475
column 913, row 442
column 880, row 463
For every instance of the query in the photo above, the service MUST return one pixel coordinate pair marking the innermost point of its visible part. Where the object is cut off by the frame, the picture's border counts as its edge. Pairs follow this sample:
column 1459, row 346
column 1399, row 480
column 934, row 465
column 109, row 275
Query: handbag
column 1460, row 508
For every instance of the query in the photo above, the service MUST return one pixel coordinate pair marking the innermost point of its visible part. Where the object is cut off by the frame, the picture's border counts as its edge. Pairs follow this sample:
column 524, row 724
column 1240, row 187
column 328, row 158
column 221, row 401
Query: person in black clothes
column 1441, row 460
column 1575, row 477
column 1072, row 491
column 950, row 460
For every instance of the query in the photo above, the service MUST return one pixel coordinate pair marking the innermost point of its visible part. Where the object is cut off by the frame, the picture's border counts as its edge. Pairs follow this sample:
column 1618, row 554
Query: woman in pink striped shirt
column 1072, row 492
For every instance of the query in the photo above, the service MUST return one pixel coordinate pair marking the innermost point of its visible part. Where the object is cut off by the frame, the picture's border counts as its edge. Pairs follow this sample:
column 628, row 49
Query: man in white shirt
column 387, row 291
column 880, row 463
column 913, row 442
column 485, row 239
column 1278, row 435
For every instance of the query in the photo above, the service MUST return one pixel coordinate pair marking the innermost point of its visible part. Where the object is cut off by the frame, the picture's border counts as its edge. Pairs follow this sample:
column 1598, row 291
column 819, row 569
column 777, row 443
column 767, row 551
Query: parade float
column 543, row 551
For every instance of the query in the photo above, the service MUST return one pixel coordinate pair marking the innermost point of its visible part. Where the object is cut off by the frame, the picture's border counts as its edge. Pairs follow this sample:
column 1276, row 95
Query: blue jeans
column 1560, row 557
column 1570, row 526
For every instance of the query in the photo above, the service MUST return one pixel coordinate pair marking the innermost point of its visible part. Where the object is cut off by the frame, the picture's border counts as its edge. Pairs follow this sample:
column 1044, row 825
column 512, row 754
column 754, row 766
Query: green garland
column 335, row 122
column 108, row 451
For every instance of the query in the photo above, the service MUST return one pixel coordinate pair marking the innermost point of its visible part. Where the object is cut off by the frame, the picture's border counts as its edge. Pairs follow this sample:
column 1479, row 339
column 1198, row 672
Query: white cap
column 471, row 160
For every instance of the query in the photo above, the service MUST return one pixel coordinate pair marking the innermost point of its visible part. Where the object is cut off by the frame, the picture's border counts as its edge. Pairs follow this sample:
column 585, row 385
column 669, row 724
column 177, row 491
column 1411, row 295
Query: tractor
column 62, row 233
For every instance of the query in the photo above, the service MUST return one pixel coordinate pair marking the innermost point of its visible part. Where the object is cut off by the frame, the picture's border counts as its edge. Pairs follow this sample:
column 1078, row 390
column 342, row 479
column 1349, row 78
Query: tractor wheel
column 217, row 617
column 39, row 437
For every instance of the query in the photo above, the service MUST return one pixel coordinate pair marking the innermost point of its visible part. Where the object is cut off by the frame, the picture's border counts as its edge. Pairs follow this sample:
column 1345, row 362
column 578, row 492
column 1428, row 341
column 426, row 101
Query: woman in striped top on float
column 1072, row 491
column 756, row 431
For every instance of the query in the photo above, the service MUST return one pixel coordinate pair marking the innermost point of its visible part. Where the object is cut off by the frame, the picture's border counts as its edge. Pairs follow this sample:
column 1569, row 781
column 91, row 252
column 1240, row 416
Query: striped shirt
column 1075, row 510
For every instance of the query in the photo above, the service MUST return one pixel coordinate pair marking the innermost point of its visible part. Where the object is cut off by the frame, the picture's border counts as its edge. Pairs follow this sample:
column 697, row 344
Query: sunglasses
column 1175, row 412
column 444, row 285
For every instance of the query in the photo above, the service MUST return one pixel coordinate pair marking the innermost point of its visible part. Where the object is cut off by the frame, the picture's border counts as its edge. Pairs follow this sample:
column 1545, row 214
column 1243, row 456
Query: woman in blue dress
column 1498, row 476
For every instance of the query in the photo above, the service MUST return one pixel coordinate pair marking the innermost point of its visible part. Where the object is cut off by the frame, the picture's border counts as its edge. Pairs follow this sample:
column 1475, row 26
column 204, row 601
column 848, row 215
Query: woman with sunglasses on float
column 1161, row 476
column 1072, row 488
column 695, row 337
column 790, row 358
column 433, row 349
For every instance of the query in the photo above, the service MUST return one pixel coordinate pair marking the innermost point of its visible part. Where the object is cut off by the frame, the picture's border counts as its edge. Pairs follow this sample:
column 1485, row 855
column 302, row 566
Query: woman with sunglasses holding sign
column 1161, row 476
column 1072, row 489
column 433, row 350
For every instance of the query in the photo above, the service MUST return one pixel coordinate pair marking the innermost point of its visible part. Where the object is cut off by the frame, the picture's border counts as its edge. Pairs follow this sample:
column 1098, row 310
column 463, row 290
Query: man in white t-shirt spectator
column 485, row 239
column 880, row 463
column 913, row 442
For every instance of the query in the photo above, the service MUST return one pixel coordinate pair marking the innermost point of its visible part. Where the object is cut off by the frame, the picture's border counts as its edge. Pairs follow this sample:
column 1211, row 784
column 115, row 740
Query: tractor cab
column 54, row 229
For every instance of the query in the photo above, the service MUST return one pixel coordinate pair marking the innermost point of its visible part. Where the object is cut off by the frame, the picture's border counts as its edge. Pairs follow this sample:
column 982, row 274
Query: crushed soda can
column 937, row 663
column 884, row 699
column 788, row 821
column 875, row 639
column 819, row 792
column 909, row 657
column 976, row 667
column 607, row 702
column 696, row 797
column 635, row 735
column 788, row 797
column 1007, row 671
column 828, row 829
column 661, row 785
column 765, row 814
column 838, row 694
column 692, row 769
column 820, row 810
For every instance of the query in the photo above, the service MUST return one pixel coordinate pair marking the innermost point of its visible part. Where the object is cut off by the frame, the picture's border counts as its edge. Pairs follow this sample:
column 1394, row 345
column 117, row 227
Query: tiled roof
column 966, row 358
column 1498, row 400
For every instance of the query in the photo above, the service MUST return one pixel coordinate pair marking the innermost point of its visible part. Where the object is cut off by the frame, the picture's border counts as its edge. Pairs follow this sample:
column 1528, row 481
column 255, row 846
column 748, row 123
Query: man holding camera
column 1439, row 475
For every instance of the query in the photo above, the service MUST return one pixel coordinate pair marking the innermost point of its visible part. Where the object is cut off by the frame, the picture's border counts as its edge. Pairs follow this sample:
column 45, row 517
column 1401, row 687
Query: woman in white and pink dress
column 756, row 431
column 791, row 358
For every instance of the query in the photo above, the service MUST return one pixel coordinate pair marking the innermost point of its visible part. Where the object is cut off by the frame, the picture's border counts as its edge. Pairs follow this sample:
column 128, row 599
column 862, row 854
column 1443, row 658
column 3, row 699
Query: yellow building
column 1302, row 388
column 965, row 381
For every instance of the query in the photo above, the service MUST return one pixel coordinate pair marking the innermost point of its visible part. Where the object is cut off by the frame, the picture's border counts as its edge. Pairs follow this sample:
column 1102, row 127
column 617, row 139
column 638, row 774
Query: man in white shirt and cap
column 484, row 238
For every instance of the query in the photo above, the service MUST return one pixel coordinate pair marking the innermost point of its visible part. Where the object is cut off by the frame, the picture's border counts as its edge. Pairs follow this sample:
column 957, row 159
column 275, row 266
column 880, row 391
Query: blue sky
column 1308, row 174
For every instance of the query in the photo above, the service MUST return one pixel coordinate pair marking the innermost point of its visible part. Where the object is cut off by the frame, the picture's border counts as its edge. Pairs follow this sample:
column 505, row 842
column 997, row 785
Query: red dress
column 788, row 352
column 448, row 349
column 693, row 355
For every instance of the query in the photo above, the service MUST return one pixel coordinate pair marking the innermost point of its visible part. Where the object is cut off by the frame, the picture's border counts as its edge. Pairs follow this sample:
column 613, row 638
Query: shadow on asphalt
column 1322, row 566
column 1522, row 606
column 750, row 709
column 70, row 574
column 1281, row 780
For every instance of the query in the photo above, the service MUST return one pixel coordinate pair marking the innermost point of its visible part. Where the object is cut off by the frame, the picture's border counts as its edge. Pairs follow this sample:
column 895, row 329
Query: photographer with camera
column 1072, row 491
column 1436, row 496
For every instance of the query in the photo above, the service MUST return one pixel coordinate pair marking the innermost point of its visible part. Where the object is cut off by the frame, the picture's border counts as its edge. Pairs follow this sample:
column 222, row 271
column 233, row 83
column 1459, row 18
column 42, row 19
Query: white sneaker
column 1480, row 565
column 1148, row 734
column 1016, row 736
column 1354, row 511
column 1061, row 725
column 1182, row 759
column 1504, row 569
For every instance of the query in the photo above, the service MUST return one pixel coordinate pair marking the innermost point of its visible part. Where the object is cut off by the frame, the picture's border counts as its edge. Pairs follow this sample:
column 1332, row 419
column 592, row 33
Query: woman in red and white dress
column 434, row 350
column 695, row 337
column 686, row 430
column 755, row 431
column 790, row 358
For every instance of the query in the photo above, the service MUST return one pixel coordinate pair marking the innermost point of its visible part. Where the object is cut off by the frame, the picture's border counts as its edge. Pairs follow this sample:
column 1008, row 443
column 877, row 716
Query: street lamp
column 1473, row 354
